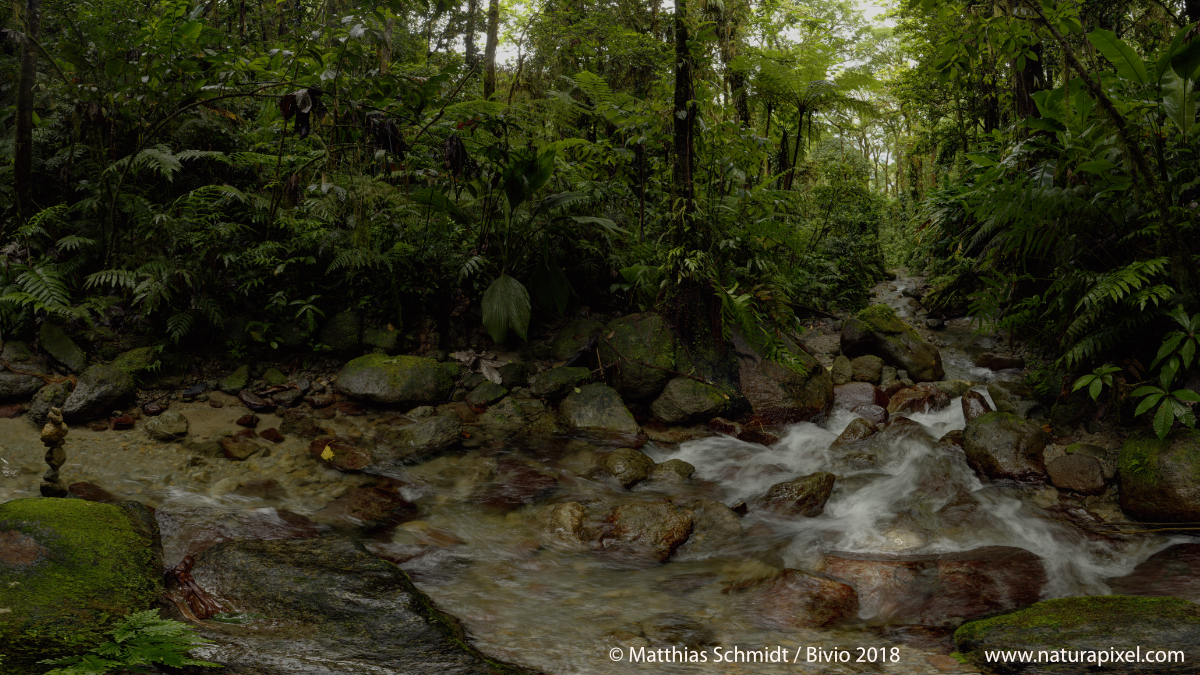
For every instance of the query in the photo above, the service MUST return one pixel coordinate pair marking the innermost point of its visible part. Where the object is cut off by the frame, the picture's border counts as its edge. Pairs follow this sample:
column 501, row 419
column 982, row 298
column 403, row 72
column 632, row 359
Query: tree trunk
column 684, row 122
column 385, row 54
column 489, row 51
column 469, row 40
column 1026, row 82
column 23, row 145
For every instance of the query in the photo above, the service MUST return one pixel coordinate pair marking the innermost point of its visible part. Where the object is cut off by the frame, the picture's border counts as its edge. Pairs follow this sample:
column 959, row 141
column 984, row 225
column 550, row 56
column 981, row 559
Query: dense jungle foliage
column 228, row 175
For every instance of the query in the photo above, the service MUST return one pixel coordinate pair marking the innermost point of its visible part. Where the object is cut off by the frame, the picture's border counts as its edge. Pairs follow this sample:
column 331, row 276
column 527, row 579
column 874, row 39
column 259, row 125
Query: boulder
column 943, row 589
column 558, row 382
column 560, row 526
column 67, row 566
column 714, row 527
column 867, row 368
column 974, row 405
column 1174, row 571
column 685, row 400
column 396, row 445
column 872, row 413
column 642, row 349
column 1097, row 626
column 1003, row 446
column 857, row 430
column 628, row 466
column 360, row 613
column 574, row 337
column 804, row 496
column 235, row 381
column 651, row 528
column 596, row 407
column 952, row 388
column 1015, row 398
column 516, row 374
column 22, row 385
column 1158, row 478
column 1077, row 472
column 61, row 348
column 52, row 395
column 342, row 333
column 842, row 370
column 780, row 394
column 672, row 471
column 505, row 416
column 999, row 362
column 854, row 394
column 99, row 391
column 917, row 400
column 486, row 393
column 395, row 380
column 796, row 600
column 167, row 426
column 877, row 330
column 138, row 361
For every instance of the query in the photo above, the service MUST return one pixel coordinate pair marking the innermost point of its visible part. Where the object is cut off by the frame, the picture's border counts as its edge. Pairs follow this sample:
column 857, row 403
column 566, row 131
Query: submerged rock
column 654, row 529
column 877, row 330
column 396, row 380
column 1003, row 446
column 100, row 389
column 168, row 426
column 804, row 496
column 796, row 599
column 1158, row 478
column 1174, row 571
column 396, row 445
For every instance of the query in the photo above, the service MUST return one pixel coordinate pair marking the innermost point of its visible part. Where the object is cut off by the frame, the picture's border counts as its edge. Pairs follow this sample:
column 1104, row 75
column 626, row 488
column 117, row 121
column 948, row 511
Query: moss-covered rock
column 397, row 445
column 235, row 381
column 1003, row 446
column 878, row 330
column 61, row 347
column 867, row 368
column 516, row 374
column 100, row 390
column 1160, row 480
column 842, row 370
column 558, row 382
column 597, row 407
column 780, row 393
column 628, row 466
column 1106, row 625
column 396, row 380
column 486, row 393
column 574, row 338
column 642, row 347
column 274, row 377
column 52, row 395
column 505, row 416
column 68, row 567
column 137, row 361
column 685, row 400
column 342, row 333
column 381, row 340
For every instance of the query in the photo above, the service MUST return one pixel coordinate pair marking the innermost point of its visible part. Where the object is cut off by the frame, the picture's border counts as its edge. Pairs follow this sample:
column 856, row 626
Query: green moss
column 236, row 381
column 883, row 319
column 96, row 562
column 137, row 360
column 1071, row 613
column 274, row 377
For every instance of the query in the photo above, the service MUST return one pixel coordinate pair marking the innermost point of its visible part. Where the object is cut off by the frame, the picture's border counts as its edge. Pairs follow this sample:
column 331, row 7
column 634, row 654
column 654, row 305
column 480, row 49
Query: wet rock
column 999, row 362
column 940, row 589
column 514, row 485
column 1003, row 446
column 93, row 493
column 952, row 388
column 574, row 337
column 61, row 348
column 804, row 496
column 642, row 347
column 340, row 453
column 758, row 436
column 168, row 426
column 50, row 396
column 395, row 446
column 877, row 330
column 628, row 466
column 15, row 386
column 320, row 400
column 239, row 448
column 558, row 382
column 953, row 441
column 854, row 394
column 842, row 371
column 100, row 389
column 781, row 394
column 1077, row 473
column 672, row 471
column 298, row 423
column 685, row 400
column 596, row 407
column 1158, row 478
column 872, row 413
column 652, row 528
column 1097, row 624
column 516, row 374
column 1174, row 571
column 714, row 527
column 561, row 527
column 288, row 398
column 254, row 402
column 867, row 368
column 974, row 405
column 235, row 381
column 917, row 400
column 894, row 386
column 662, row 434
column 360, row 613
column 857, row 430
column 137, row 361
column 350, row 408
column 1015, row 398
column 486, row 393
column 505, row 416
column 152, row 409
column 110, row 553
column 666, row 631
column 720, row 425
column 11, row 410
column 395, row 380
column 796, row 599
column 249, row 420
column 272, row 435
column 370, row 508
column 274, row 377
column 123, row 422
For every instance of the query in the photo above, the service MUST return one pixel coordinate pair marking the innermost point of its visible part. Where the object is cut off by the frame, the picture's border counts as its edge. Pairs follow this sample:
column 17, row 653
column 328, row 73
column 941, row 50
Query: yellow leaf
column 391, row 327
column 577, row 390
column 327, row 453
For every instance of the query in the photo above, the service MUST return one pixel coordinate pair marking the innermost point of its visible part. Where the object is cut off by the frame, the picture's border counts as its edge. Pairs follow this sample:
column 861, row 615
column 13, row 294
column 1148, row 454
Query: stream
column 562, row 611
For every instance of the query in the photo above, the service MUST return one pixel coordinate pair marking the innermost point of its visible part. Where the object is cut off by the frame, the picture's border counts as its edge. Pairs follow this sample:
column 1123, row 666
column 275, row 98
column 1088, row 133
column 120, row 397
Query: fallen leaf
column 327, row 454
column 610, row 335
column 391, row 327
column 490, row 372
column 577, row 390
column 465, row 434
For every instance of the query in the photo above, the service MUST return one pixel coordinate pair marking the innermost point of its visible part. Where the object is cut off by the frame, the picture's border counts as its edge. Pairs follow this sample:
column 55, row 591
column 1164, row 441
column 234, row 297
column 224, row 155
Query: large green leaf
column 1186, row 61
column 506, row 305
column 1129, row 65
column 1179, row 102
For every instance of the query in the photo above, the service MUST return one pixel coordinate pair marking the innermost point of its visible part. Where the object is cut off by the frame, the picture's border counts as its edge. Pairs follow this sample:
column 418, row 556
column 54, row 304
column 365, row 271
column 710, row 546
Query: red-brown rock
column 856, row 431
column 652, row 529
column 1078, row 473
column 1174, row 571
column 11, row 410
column 515, row 485
column 370, row 508
column 872, row 413
column 853, row 394
column 249, row 420
column 255, row 402
column 123, row 422
column 796, row 599
column 804, row 496
column 271, row 434
column 343, row 455
column 720, row 425
column 918, row 399
column 758, row 436
column 239, row 447
column 350, row 408
column 153, row 408
column 974, row 405
column 320, row 400
column 92, row 493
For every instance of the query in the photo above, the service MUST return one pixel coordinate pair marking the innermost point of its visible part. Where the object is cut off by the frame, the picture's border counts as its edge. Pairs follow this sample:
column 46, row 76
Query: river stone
column 1003, row 446
column 652, row 528
column 370, row 508
column 804, row 496
column 842, row 371
column 672, row 471
column 642, row 347
column 239, row 448
column 857, row 430
column 395, row 380
column 137, row 361
column 67, row 566
column 714, row 527
column 99, row 391
column 342, row 333
column 780, row 394
column 61, row 348
column 18, row 387
column 854, row 394
column 596, row 407
column 917, row 401
column 328, row 596
column 235, row 381
column 50, row 396
column 877, row 330
column 1174, row 571
column 1078, row 473
column 574, row 337
column 795, row 600
column 274, row 377
column 558, row 382
column 486, row 394
column 505, row 416
column 867, row 368
column 1158, row 478
column 560, row 526
column 168, row 426
column 974, row 405
column 872, row 413
column 685, row 400
column 1015, row 398
column 1089, row 624
column 628, row 466
column 395, row 445
column 516, row 374
column 999, row 362
column 940, row 589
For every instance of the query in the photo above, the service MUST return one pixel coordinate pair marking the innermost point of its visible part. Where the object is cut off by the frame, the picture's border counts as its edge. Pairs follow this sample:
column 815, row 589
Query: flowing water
column 561, row 611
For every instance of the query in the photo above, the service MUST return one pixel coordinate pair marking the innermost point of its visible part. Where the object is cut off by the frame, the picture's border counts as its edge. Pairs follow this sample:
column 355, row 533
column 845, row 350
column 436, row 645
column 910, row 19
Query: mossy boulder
column 505, row 416
column 516, row 374
column 274, row 377
column 1098, row 625
column 137, row 361
column 52, row 395
column 486, row 393
column 642, row 349
column 381, row 340
column 597, row 407
column 235, row 381
column 99, row 391
column 61, row 348
column 1160, row 480
column 842, row 370
column 18, row 386
column 574, row 338
column 628, row 466
column 342, row 333
column 558, row 382
column 867, row 368
column 685, row 400
column 780, row 393
column 396, row 445
column 1003, row 446
column 396, row 380
column 68, row 567
column 877, row 330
